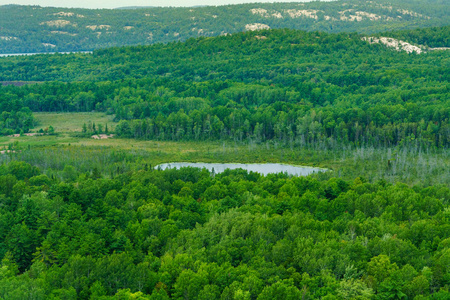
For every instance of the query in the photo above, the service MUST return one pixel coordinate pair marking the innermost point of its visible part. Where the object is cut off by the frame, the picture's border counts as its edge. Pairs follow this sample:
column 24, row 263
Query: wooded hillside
column 47, row 29
column 285, row 85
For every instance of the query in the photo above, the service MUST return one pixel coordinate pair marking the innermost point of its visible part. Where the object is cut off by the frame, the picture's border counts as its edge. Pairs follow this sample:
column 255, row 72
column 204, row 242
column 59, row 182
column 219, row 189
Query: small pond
column 262, row 169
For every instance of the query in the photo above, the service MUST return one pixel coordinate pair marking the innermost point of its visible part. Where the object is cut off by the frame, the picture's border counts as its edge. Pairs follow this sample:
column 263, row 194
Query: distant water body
column 28, row 54
column 262, row 169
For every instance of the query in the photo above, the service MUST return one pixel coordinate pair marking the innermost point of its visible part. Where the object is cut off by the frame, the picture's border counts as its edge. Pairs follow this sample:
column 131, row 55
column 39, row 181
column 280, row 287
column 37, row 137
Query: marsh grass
column 51, row 153
column 117, row 156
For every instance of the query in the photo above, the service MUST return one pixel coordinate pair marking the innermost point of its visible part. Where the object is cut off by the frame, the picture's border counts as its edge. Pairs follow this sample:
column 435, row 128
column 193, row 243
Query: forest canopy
column 34, row 29
column 188, row 234
column 285, row 85
column 95, row 219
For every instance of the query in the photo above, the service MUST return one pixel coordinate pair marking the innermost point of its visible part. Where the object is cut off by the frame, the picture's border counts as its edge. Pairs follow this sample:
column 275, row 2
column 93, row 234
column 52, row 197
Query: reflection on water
column 262, row 169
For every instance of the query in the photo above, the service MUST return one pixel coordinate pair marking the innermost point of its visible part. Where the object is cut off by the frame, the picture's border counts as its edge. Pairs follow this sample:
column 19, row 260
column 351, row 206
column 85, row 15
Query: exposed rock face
column 393, row 43
column 259, row 11
column 64, row 14
column 58, row 23
column 8, row 38
column 296, row 13
column 48, row 45
column 352, row 15
column 293, row 13
column 95, row 27
column 256, row 26
column 63, row 32
column 90, row 29
column 348, row 15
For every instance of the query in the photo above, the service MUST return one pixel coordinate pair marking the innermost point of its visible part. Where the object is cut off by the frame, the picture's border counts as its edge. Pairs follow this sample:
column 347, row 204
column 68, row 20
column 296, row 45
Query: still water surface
column 28, row 54
column 262, row 169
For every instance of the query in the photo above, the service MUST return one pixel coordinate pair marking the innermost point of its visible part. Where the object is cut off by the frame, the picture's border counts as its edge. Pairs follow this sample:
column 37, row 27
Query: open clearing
column 65, row 124
column 103, row 153
column 70, row 122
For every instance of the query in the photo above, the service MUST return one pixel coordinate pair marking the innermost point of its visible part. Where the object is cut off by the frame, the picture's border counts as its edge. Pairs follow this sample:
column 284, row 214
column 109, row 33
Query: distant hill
column 49, row 29
column 135, row 7
column 303, row 86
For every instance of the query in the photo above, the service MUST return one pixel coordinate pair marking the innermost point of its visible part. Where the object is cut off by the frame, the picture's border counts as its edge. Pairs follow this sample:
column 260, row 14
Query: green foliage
column 430, row 37
column 101, row 223
column 292, row 87
column 143, row 236
column 280, row 290
column 13, row 119
column 354, row 289
column 47, row 29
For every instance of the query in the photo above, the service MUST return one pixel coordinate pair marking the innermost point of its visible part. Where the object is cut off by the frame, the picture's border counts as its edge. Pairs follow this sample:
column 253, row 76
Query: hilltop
column 86, row 211
column 283, row 85
column 49, row 29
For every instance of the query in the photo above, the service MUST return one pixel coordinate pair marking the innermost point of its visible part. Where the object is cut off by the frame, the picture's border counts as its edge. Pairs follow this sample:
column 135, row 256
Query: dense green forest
column 284, row 85
column 27, row 29
column 432, row 36
column 187, row 234
column 97, row 220
column 16, row 121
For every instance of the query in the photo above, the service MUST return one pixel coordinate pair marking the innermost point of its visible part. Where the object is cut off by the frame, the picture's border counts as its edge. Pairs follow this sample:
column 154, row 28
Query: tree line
column 38, row 29
column 192, row 234
column 312, row 86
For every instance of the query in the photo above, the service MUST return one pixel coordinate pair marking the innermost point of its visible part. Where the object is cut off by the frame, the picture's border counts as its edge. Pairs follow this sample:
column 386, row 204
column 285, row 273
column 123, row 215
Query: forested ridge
column 47, row 29
column 94, row 219
column 186, row 234
column 286, row 85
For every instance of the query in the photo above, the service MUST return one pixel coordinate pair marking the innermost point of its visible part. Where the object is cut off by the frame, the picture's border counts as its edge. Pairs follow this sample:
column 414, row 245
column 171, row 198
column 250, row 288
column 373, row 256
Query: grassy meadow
column 64, row 125
column 117, row 155
column 70, row 122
